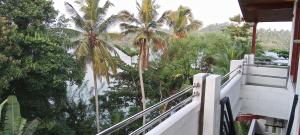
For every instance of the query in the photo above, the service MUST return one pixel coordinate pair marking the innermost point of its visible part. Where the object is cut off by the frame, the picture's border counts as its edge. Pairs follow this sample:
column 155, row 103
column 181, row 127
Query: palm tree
column 91, row 46
column 147, row 36
column 181, row 21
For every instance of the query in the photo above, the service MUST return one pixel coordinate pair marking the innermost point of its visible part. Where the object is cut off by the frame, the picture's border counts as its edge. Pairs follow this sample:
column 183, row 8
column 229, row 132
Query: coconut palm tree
column 91, row 46
column 181, row 21
column 148, row 37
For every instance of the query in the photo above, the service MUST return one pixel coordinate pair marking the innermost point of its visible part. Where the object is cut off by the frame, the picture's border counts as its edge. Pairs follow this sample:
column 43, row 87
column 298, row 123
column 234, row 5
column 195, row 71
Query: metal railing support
column 292, row 116
column 133, row 118
column 226, row 118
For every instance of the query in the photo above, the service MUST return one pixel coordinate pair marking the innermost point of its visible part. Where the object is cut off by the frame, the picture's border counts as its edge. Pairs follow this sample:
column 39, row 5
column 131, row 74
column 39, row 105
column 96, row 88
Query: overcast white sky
column 208, row 11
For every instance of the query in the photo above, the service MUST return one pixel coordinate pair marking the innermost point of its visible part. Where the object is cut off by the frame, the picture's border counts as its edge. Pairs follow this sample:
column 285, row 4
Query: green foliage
column 53, row 127
column 123, row 99
column 181, row 21
column 239, row 44
column 80, row 117
column 146, row 30
column 14, row 124
column 28, row 15
column 31, row 127
column 281, row 53
column 269, row 39
column 127, row 50
column 274, row 39
column 46, row 67
column 241, row 128
column 34, row 64
column 92, row 28
column 91, row 46
column 215, row 27
column 2, row 106
column 9, row 66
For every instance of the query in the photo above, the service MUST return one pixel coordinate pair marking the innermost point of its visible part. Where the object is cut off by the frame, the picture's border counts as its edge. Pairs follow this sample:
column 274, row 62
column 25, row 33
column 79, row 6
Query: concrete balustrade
column 232, row 89
column 244, row 99
column 186, row 120
column 212, row 108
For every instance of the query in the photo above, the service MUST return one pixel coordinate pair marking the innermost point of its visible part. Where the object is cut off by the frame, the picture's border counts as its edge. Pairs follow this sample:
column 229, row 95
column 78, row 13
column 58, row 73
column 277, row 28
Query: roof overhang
column 267, row 10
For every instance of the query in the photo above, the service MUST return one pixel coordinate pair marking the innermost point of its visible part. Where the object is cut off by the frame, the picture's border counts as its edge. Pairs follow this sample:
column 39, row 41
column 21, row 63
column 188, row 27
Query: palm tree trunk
column 96, row 104
column 160, row 91
column 142, row 82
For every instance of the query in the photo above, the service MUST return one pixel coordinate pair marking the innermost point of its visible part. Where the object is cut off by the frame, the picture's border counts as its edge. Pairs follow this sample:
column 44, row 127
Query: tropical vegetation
column 44, row 60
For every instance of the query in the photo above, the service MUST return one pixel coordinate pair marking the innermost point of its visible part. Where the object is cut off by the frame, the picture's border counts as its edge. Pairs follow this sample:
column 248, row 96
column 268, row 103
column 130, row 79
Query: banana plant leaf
column 31, row 127
column 13, row 123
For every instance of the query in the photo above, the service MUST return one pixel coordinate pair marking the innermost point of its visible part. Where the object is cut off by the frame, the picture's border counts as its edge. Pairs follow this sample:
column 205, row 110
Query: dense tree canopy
column 28, row 14
column 35, row 66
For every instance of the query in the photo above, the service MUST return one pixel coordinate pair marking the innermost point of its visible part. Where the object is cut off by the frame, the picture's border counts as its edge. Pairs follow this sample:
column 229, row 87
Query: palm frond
column 163, row 34
column 31, row 127
column 90, row 10
column 128, row 28
column 185, row 11
column 194, row 25
column 138, row 6
column 102, row 60
column 107, row 23
column 164, row 17
column 125, row 26
column 125, row 16
column 102, row 11
column 82, row 53
column 159, row 43
column 127, row 50
column 78, row 20
column 147, row 12
column 112, row 36
column 67, row 32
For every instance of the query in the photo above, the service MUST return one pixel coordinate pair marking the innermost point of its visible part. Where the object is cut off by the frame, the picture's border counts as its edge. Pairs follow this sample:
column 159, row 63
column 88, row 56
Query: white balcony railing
column 251, row 89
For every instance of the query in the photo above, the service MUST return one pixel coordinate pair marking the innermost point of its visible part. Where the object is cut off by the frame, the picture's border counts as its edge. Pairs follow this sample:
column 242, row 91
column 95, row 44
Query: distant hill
column 214, row 27
column 279, row 39
column 270, row 39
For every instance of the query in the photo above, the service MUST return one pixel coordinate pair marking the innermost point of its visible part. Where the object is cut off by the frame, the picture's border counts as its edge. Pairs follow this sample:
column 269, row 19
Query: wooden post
column 253, row 48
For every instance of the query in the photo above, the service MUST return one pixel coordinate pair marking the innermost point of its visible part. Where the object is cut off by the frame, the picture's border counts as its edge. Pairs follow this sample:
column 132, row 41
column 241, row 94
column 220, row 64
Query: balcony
column 261, row 94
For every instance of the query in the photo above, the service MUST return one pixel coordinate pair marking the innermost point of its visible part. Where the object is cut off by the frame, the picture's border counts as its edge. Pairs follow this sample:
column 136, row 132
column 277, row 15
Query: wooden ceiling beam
column 279, row 5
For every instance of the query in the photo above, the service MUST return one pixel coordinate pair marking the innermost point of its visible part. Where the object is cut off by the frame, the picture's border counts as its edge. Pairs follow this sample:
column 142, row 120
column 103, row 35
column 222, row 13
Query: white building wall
column 233, row 88
column 183, row 122
column 186, row 120
column 267, row 71
column 266, row 101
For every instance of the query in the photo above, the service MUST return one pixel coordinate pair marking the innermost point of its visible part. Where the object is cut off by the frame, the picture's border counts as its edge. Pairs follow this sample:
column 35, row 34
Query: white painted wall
column 232, row 89
column 278, row 72
column 266, row 101
column 212, row 106
column 183, row 122
column 186, row 120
